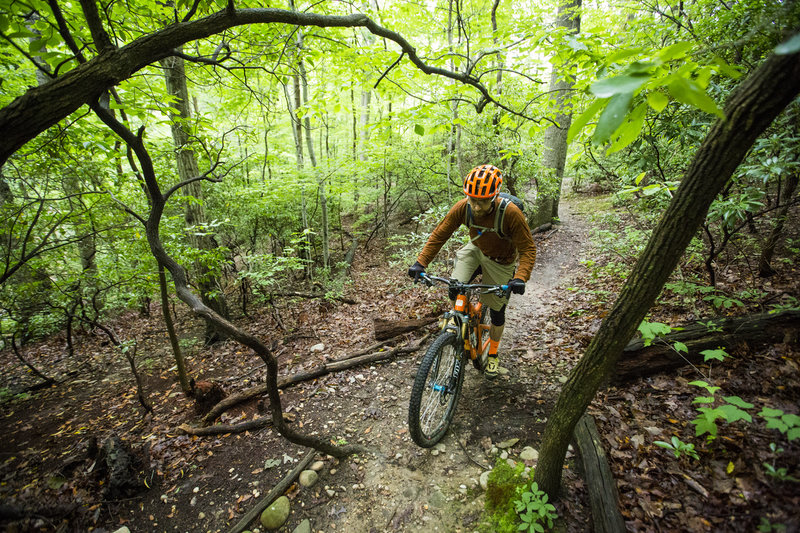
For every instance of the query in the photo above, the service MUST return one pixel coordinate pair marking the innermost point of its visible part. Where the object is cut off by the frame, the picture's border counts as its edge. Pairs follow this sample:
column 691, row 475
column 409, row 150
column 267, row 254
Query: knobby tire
column 430, row 410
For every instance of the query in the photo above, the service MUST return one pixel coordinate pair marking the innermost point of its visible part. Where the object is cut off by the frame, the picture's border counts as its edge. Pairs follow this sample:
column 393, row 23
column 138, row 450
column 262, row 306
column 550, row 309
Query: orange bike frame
column 472, row 312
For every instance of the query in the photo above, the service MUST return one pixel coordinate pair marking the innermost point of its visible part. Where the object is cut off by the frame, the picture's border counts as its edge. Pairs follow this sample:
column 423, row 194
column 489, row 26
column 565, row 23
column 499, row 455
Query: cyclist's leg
column 495, row 274
column 468, row 260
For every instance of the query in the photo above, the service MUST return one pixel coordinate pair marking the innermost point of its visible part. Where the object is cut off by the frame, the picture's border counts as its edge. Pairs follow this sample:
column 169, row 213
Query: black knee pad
column 498, row 317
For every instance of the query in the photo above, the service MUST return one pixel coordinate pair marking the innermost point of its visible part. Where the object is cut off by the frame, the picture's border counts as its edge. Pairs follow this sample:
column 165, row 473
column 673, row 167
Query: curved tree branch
column 43, row 106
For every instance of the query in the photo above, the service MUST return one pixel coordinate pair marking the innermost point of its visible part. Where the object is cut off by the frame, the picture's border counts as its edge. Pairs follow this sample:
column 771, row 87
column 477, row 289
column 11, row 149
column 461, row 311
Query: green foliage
column 534, row 511
column 765, row 526
column 651, row 330
column 678, row 447
column 787, row 423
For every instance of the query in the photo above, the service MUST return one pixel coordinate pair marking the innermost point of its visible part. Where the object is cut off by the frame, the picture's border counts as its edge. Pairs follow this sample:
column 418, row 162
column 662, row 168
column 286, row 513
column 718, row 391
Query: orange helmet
column 483, row 182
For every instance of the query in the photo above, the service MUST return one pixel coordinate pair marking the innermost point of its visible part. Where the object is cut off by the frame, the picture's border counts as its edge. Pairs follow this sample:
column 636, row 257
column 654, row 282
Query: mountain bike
column 464, row 337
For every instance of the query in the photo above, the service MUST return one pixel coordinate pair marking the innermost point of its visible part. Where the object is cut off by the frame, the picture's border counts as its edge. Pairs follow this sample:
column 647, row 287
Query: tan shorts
column 469, row 258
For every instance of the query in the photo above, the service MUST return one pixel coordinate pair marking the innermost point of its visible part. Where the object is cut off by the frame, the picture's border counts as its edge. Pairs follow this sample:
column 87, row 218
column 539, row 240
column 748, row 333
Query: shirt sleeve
column 442, row 232
column 517, row 228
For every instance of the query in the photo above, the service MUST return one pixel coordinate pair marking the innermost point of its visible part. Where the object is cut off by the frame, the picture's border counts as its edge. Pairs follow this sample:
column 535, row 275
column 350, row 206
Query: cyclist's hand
column 517, row 286
column 415, row 270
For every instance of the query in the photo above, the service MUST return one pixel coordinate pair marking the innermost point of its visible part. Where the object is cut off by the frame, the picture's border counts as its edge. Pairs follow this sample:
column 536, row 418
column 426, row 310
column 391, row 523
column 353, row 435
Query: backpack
column 499, row 216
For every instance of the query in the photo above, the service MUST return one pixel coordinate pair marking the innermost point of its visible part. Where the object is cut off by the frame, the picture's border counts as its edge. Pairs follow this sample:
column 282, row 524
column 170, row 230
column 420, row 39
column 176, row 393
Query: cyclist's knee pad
column 498, row 317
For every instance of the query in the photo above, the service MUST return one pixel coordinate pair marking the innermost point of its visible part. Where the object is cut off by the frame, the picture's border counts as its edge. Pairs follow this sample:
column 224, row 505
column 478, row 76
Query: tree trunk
column 750, row 109
column 194, row 215
column 180, row 363
column 554, row 155
column 764, row 267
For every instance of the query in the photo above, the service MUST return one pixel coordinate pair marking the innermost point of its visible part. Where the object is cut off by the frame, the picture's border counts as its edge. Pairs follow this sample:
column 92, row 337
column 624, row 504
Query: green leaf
column 792, row 46
column 579, row 123
column 777, row 423
column 738, row 402
column 703, row 399
column 791, row 419
column 630, row 129
column 770, row 412
column 792, row 434
column 611, row 117
column 419, row 129
column 733, row 413
column 618, row 85
column 657, row 100
column 718, row 354
column 703, row 425
column 680, row 347
column 690, row 93
column 675, row 51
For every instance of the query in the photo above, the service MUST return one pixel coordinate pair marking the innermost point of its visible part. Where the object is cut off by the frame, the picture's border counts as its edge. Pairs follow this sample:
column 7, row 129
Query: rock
column 317, row 347
column 484, row 479
column 123, row 529
column 529, row 454
column 276, row 514
column 437, row 499
column 507, row 443
column 330, row 492
column 441, row 447
column 503, row 371
column 303, row 527
column 317, row 466
column 504, row 455
column 308, row 478
column 486, row 444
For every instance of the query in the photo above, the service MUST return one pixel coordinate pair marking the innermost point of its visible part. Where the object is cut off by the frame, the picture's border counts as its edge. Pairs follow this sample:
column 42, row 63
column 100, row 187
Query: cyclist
column 492, row 250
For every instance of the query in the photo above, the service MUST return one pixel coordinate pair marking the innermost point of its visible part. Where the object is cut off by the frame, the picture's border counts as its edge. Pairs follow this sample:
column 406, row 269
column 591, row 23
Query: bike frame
column 465, row 317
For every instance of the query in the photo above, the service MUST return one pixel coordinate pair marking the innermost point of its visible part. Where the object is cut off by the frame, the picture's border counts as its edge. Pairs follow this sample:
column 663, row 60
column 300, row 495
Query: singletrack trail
column 401, row 487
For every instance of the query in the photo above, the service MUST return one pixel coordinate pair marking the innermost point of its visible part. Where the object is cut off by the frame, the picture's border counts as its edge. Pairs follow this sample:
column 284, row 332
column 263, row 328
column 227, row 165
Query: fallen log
column 638, row 360
column 326, row 368
column 603, row 495
column 221, row 429
column 386, row 329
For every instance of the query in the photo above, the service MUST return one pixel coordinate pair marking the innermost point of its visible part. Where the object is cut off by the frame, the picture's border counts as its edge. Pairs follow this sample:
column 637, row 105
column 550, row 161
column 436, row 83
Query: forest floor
column 49, row 482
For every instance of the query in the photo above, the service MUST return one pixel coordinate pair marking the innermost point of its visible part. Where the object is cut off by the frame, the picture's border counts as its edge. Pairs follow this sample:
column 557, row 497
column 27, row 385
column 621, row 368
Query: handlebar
column 499, row 290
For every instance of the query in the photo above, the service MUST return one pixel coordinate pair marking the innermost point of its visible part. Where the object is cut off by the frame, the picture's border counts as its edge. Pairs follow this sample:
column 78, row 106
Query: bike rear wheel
column 436, row 390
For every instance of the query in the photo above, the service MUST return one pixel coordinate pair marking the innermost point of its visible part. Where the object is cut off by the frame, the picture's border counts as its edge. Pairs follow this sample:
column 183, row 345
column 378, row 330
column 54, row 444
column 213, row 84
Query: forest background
column 260, row 148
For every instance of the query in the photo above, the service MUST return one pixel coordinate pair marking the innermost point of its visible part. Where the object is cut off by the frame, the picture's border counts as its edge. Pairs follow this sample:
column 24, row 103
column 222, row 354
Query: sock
column 493, row 347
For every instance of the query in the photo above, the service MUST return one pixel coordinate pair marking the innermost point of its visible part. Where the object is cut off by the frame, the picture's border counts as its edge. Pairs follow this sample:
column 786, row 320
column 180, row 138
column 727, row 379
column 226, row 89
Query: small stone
column 486, row 444
column 507, row 443
column 434, row 452
column 308, row 478
column 529, row 454
column 123, row 529
column 201, row 516
column 333, row 471
column 196, row 490
column 276, row 514
column 330, row 492
column 504, row 455
column 317, row 347
column 484, row 479
column 164, row 498
column 303, row 527
column 441, row 447
column 193, row 501
column 317, row 466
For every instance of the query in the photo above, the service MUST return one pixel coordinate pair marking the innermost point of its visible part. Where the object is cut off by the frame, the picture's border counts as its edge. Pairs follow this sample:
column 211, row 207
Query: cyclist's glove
column 415, row 270
column 517, row 286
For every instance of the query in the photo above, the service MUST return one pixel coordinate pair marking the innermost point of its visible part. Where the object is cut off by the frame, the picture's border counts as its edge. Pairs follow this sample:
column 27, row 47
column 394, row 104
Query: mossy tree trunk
column 750, row 109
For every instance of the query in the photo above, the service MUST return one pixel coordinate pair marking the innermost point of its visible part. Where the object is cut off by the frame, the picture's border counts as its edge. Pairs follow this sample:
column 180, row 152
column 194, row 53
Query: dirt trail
column 402, row 487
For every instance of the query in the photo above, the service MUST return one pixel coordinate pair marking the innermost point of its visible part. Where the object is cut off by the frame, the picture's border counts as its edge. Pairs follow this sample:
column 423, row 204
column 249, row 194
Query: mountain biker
column 488, row 251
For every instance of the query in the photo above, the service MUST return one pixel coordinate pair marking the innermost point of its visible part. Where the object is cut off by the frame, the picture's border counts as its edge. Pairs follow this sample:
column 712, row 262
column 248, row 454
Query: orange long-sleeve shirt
column 503, row 251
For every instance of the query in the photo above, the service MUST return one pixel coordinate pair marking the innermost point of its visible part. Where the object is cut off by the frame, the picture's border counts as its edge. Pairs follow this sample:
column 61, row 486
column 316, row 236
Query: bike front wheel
column 436, row 390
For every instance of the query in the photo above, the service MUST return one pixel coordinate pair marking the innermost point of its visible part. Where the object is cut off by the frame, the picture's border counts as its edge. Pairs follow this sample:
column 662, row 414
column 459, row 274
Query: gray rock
column 317, row 466
column 529, row 454
column 507, row 443
column 437, row 499
column 308, row 478
column 123, row 529
column 276, row 514
column 303, row 527
column 484, row 479
column 317, row 347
